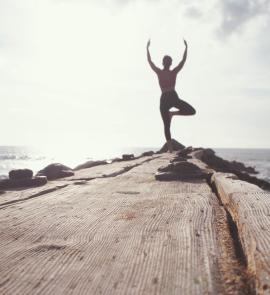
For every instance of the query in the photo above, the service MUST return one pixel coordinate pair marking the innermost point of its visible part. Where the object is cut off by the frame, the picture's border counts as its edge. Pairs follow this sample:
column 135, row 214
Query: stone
column 178, row 159
column 127, row 157
column 181, row 170
column 90, row 164
column 149, row 153
column 23, row 182
column 209, row 157
column 185, row 152
column 55, row 171
column 175, row 144
column 20, row 174
column 180, row 167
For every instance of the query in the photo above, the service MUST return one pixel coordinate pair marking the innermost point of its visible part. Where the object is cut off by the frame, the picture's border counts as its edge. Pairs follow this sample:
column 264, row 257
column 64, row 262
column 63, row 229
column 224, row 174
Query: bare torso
column 167, row 80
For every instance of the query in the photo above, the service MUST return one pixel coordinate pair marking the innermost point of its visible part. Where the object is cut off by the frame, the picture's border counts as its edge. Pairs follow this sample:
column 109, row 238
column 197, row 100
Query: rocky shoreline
column 179, row 170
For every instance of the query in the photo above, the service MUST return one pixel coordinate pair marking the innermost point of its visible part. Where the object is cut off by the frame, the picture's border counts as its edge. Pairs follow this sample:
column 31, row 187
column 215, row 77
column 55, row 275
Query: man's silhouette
column 169, row 97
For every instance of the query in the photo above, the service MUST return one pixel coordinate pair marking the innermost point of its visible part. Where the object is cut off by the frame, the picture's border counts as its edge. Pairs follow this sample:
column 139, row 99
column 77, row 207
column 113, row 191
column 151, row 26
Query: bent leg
column 185, row 109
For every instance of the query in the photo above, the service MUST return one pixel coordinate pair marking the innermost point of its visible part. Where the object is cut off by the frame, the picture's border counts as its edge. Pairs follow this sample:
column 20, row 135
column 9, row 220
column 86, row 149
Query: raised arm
column 182, row 62
column 152, row 65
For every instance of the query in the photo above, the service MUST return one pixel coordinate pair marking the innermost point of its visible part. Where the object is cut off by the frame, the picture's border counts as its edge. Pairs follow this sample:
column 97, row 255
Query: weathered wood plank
column 84, row 174
column 127, row 234
column 249, row 207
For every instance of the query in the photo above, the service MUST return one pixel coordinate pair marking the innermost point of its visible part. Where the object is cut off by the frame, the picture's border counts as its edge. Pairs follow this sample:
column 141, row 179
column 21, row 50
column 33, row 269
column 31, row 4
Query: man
column 169, row 97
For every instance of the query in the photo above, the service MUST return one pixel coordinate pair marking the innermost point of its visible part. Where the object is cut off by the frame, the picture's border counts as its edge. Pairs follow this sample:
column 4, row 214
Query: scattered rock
column 56, row 170
column 179, row 159
column 209, row 157
column 20, row 174
column 23, row 182
column 180, row 171
column 175, row 144
column 19, row 178
column 149, row 153
column 180, row 167
column 185, row 153
column 90, row 164
column 127, row 157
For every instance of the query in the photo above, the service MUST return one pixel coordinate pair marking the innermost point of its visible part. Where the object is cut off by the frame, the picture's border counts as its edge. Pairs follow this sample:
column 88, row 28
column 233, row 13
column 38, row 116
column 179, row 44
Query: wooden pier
column 114, row 229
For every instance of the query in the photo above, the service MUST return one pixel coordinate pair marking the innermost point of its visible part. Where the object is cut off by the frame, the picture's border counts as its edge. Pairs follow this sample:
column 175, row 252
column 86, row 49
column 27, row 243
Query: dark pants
column 168, row 100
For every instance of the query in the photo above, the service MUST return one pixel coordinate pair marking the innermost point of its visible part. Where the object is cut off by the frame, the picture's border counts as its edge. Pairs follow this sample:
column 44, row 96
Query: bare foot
column 169, row 145
column 171, row 115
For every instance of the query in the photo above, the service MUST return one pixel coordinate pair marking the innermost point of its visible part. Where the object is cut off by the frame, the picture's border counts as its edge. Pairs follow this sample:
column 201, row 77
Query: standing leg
column 165, row 114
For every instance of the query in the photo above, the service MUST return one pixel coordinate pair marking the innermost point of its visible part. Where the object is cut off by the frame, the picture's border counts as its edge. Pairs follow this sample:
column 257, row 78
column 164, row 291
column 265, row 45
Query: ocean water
column 15, row 157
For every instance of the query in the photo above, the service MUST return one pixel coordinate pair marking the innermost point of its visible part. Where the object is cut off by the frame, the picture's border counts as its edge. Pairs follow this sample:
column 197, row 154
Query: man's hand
column 148, row 43
column 185, row 42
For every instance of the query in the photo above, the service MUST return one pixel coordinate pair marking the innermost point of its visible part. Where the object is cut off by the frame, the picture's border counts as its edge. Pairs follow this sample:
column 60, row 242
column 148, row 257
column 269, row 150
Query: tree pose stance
column 169, row 97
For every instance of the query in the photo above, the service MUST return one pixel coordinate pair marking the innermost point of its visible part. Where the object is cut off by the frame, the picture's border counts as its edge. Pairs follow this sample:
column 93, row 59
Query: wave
column 14, row 157
column 20, row 157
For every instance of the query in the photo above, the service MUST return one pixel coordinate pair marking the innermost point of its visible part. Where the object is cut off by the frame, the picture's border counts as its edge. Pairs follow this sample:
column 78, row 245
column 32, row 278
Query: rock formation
column 20, row 174
column 127, row 157
column 55, row 171
column 23, row 182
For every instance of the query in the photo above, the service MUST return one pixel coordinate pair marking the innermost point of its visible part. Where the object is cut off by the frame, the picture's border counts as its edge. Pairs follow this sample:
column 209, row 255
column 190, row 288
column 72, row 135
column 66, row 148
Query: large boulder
column 55, row 171
column 20, row 174
column 175, row 145
column 90, row 164
column 23, row 182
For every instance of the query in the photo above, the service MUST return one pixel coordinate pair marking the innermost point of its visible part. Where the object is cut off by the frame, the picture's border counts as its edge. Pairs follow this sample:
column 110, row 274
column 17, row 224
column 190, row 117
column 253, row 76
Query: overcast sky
column 74, row 72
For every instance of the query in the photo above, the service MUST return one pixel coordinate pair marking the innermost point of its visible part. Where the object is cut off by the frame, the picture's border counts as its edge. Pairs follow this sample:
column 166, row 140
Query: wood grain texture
column 127, row 234
column 80, row 175
column 249, row 207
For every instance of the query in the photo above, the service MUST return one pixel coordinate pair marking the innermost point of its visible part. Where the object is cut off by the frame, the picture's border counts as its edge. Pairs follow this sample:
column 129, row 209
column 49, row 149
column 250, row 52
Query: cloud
column 236, row 14
column 227, row 16
column 193, row 12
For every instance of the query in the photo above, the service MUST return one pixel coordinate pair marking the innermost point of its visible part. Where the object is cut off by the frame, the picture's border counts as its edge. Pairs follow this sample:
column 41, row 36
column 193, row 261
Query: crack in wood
column 246, row 281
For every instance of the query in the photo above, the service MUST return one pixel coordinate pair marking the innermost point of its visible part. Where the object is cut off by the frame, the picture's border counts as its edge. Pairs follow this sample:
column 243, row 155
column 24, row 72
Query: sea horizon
column 23, row 156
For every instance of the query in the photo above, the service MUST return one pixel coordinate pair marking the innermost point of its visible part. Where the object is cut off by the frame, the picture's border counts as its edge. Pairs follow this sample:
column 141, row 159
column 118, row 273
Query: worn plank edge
column 227, row 186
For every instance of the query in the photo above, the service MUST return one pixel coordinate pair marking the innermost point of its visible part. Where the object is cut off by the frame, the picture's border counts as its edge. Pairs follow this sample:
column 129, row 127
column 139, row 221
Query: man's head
column 167, row 61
